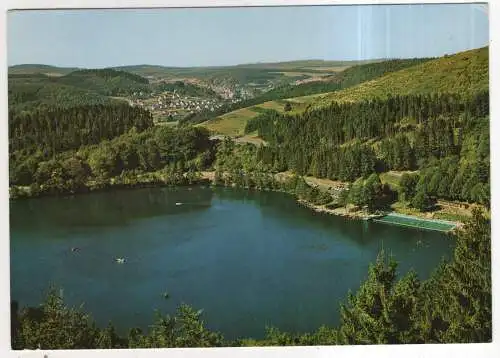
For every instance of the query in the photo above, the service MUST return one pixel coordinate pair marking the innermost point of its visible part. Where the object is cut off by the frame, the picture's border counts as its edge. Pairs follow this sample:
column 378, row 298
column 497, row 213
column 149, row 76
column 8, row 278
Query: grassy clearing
column 274, row 105
column 324, row 184
column 328, row 68
column 305, row 73
column 393, row 177
column 451, row 217
column 167, row 124
column 445, row 210
column 233, row 123
column 252, row 139
column 230, row 124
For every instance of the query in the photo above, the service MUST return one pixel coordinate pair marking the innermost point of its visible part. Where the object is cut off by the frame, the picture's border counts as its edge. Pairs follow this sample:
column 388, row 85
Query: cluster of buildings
column 175, row 105
column 232, row 93
column 175, row 102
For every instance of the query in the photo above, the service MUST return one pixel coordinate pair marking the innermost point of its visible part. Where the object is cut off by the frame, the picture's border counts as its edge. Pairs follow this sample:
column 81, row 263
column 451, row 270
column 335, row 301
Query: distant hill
column 171, row 71
column 300, row 65
column 235, row 75
column 304, row 64
column 260, row 76
column 256, row 78
column 75, row 88
column 107, row 82
column 40, row 69
column 185, row 89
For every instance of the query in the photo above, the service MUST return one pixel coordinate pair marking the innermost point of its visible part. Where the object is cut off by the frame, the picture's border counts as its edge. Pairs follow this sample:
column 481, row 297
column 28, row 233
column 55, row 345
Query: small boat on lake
column 120, row 260
column 178, row 204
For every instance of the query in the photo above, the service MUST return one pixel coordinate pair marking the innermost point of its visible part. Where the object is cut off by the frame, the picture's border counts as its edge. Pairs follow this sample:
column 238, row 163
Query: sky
column 228, row 36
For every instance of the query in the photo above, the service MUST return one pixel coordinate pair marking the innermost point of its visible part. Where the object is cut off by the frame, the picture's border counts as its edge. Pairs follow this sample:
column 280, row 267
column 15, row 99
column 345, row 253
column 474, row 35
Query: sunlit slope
column 233, row 123
column 464, row 73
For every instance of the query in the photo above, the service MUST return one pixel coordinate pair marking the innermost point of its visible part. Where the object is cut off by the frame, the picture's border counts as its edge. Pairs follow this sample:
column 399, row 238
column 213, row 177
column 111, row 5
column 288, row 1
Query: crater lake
column 247, row 259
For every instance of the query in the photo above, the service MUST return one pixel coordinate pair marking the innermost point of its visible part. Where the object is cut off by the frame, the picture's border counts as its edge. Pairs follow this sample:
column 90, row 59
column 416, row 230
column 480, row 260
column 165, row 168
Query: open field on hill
column 233, row 123
column 328, row 68
column 305, row 73
column 392, row 178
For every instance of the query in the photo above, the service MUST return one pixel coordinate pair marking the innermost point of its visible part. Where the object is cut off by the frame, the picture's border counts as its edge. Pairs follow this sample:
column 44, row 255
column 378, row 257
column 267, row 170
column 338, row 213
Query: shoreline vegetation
column 159, row 179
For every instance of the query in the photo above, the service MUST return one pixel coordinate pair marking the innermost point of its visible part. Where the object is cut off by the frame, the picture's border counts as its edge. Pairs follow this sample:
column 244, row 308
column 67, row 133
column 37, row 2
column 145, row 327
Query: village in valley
column 170, row 106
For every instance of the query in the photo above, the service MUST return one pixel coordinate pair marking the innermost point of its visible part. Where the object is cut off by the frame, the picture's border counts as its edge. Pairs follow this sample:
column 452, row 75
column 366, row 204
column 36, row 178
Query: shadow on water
column 106, row 208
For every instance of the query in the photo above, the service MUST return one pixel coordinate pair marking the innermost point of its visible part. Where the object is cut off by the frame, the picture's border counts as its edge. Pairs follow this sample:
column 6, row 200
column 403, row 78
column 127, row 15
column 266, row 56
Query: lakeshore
column 158, row 179
column 387, row 218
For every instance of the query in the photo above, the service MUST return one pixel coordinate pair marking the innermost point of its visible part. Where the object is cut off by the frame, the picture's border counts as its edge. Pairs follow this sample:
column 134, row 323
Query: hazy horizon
column 221, row 37
column 233, row 65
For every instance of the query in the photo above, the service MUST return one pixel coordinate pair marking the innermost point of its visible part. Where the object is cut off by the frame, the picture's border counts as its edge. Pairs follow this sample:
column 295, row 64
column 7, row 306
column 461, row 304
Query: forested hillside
column 82, row 87
column 28, row 93
column 107, row 82
column 465, row 73
column 34, row 69
column 41, row 134
column 158, row 155
column 445, row 136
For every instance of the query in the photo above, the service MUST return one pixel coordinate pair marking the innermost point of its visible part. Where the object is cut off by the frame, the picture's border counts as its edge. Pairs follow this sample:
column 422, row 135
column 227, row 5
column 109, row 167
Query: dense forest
column 453, row 306
column 58, row 129
column 26, row 95
column 347, row 78
column 444, row 136
column 153, row 156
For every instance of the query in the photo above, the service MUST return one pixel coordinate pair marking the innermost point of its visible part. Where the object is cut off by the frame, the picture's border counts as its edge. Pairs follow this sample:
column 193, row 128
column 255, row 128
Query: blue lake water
column 248, row 259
